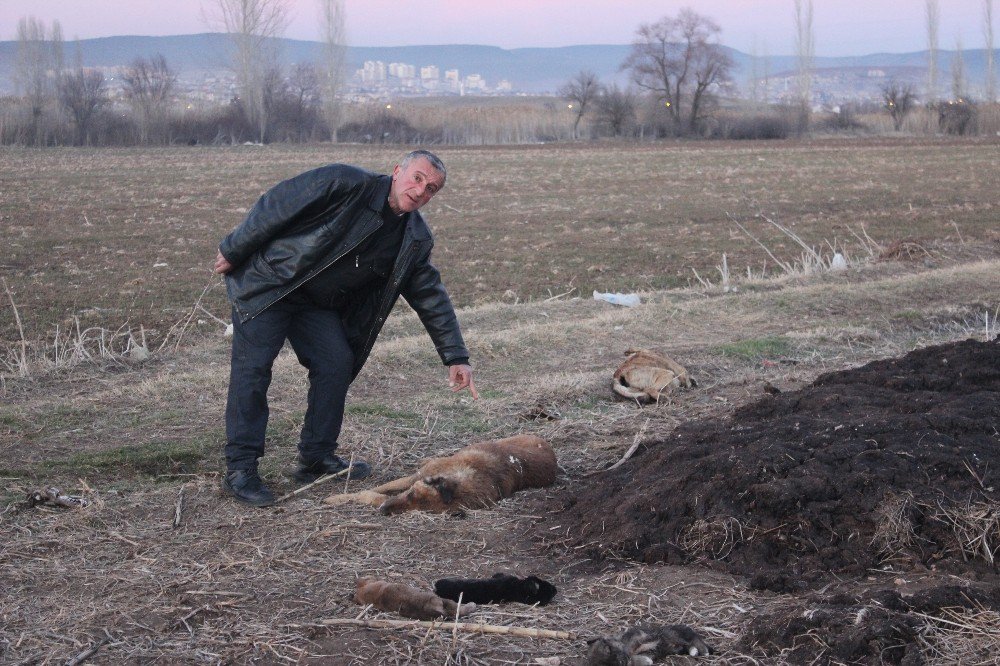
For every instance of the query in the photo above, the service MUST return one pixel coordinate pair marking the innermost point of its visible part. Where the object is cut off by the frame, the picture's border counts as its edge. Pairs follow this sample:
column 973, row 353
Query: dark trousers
column 318, row 339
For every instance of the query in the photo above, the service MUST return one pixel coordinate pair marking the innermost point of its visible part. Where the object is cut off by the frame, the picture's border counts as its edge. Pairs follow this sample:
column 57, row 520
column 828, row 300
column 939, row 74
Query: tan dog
column 407, row 601
column 646, row 376
column 477, row 476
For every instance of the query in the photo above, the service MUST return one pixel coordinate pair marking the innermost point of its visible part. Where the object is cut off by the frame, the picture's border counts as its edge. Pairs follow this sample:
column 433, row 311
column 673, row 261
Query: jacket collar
column 380, row 192
column 415, row 224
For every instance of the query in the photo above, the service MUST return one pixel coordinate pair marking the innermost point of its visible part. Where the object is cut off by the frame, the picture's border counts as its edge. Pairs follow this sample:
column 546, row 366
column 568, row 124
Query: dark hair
column 434, row 160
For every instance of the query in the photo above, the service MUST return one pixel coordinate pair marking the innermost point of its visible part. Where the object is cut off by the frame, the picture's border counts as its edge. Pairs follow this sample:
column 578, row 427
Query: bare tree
column 805, row 50
column 958, row 84
column 581, row 91
column 899, row 100
column 36, row 71
column 253, row 26
column 303, row 97
column 616, row 110
column 82, row 93
column 991, row 75
column 332, row 73
column 933, row 21
column 679, row 60
column 148, row 85
column 759, row 74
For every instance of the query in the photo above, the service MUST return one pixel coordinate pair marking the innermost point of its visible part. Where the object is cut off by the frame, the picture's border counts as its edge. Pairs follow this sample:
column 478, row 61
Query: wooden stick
column 322, row 479
column 463, row 626
column 558, row 296
column 179, row 507
column 628, row 454
column 22, row 365
column 88, row 653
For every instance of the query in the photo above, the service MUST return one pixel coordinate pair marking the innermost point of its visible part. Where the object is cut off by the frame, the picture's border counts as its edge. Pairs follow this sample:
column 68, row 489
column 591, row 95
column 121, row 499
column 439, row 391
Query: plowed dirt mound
column 883, row 627
column 896, row 462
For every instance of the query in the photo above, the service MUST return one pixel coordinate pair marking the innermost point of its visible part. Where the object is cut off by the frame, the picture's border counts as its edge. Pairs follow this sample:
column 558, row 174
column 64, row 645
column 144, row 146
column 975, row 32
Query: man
column 320, row 261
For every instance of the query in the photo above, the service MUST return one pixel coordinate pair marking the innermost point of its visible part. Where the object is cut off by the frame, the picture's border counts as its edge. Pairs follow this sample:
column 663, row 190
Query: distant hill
column 535, row 70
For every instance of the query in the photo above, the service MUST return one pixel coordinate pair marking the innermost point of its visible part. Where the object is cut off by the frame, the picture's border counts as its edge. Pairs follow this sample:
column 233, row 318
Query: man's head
column 415, row 180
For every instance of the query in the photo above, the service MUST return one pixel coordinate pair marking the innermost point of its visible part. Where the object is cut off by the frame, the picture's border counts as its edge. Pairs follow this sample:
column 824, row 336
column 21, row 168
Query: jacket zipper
column 393, row 286
column 331, row 263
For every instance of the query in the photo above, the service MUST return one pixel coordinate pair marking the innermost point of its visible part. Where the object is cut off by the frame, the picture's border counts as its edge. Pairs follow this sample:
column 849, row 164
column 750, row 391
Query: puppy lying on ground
column 643, row 644
column 646, row 376
column 407, row 601
column 474, row 477
column 497, row 590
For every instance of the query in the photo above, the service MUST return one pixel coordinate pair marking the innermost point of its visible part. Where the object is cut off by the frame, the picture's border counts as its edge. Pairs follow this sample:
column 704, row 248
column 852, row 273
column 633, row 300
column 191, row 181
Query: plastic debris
column 628, row 300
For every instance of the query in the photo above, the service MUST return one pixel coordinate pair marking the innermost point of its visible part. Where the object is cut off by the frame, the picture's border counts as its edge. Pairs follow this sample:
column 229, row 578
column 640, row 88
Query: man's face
column 414, row 186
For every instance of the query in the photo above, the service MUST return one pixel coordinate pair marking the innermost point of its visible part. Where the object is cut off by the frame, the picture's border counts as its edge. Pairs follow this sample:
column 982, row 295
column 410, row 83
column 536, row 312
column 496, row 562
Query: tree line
column 680, row 84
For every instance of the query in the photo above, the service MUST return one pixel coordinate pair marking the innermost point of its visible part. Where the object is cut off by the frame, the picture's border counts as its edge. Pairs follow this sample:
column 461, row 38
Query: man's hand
column 460, row 377
column 222, row 264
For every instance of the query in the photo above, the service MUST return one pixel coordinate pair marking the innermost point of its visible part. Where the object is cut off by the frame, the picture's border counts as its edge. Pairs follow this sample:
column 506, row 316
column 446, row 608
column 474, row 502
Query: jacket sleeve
column 427, row 296
column 285, row 204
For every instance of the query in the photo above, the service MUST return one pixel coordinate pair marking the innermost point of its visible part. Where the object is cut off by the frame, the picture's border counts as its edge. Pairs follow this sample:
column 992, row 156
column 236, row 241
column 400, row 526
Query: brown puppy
column 474, row 477
column 407, row 601
column 647, row 376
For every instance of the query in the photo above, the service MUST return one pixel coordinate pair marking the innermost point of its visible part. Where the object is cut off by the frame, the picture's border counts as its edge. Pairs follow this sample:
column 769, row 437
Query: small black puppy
column 496, row 590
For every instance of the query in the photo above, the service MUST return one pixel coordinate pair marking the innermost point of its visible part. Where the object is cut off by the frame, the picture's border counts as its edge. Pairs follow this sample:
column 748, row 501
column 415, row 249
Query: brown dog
column 475, row 477
column 646, row 376
column 407, row 601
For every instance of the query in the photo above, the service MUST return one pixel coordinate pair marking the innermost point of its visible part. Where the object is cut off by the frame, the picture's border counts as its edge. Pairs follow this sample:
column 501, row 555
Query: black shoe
column 309, row 471
column 247, row 487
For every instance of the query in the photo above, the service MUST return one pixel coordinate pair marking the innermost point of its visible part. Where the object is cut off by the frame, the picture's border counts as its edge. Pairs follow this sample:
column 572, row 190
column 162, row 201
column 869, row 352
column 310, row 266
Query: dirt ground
column 891, row 466
column 875, row 547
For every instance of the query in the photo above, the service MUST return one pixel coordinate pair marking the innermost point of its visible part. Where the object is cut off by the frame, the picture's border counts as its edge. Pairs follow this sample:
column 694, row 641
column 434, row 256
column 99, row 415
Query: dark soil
column 878, row 628
column 851, row 473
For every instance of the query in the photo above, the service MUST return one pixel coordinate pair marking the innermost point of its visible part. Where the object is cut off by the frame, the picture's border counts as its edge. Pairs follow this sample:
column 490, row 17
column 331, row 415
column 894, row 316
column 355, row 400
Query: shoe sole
column 242, row 500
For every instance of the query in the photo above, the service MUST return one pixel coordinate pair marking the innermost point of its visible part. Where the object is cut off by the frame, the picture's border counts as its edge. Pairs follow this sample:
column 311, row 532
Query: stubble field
column 107, row 250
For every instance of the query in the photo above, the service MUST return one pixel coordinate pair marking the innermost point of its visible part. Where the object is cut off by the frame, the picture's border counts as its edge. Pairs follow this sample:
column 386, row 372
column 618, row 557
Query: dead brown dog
column 647, row 376
column 407, row 601
column 475, row 477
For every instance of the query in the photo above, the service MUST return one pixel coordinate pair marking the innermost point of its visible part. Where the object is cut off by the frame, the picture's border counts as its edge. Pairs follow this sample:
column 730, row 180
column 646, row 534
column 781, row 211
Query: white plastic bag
column 628, row 300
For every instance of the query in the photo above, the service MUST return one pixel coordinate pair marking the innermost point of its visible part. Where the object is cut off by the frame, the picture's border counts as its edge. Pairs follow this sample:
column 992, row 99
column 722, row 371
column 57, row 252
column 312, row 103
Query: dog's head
column 432, row 493
column 539, row 591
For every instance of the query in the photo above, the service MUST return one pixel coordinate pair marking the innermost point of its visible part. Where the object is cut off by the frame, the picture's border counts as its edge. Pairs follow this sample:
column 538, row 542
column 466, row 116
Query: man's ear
column 445, row 487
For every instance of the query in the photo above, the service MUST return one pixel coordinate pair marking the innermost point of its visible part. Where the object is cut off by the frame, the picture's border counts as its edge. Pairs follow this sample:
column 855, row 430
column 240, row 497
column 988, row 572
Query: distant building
column 451, row 81
column 373, row 72
column 474, row 83
column 402, row 70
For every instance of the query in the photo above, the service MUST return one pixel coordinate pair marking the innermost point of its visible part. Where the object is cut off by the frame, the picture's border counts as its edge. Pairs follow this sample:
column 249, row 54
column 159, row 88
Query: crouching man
column 320, row 261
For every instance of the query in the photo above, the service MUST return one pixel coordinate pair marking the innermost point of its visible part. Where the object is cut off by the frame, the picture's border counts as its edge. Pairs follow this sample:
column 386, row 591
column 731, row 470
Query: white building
column 474, row 83
column 373, row 72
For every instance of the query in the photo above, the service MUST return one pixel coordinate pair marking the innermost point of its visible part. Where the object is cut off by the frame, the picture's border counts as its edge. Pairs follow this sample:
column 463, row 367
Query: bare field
column 125, row 237
column 85, row 231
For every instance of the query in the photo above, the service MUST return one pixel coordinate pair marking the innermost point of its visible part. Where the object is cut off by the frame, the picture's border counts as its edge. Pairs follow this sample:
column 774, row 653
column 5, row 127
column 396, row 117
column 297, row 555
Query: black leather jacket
column 306, row 223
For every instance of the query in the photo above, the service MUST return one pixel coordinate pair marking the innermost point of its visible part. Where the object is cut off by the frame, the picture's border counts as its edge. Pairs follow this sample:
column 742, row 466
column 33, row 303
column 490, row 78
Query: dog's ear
column 444, row 486
column 532, row 585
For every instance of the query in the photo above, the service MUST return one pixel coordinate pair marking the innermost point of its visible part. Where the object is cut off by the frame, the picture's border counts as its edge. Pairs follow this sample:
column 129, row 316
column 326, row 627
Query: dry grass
column 961, row 636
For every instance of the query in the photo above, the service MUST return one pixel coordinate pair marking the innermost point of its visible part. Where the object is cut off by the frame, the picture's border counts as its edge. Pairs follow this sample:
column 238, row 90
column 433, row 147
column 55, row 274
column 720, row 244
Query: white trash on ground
column 628, row 300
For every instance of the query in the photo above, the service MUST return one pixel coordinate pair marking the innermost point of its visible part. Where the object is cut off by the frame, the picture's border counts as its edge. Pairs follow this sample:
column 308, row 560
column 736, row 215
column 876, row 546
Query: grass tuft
column 756, row 348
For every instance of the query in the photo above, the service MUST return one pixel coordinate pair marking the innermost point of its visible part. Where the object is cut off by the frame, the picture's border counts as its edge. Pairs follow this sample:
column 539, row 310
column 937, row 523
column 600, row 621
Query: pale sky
column 765, row 27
